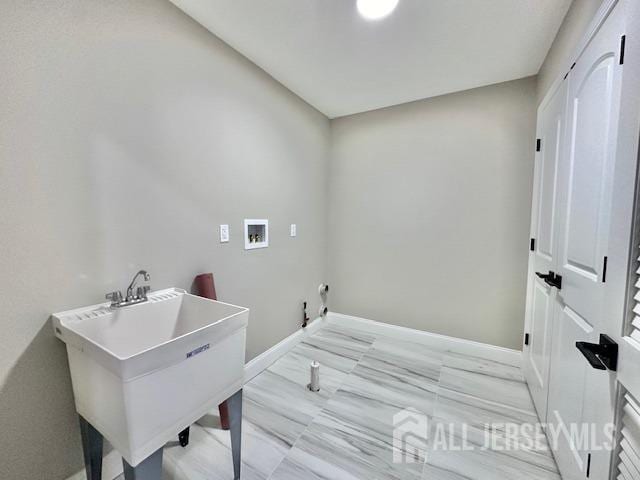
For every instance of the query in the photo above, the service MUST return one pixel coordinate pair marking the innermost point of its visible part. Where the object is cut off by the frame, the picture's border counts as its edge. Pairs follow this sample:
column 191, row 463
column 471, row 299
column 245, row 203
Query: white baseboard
column 458, row 345
column 267, row 358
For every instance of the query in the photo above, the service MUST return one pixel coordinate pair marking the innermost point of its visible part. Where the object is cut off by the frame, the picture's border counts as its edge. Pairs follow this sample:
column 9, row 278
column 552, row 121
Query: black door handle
column 554, row 280
column 601, row 356
column 551, row 279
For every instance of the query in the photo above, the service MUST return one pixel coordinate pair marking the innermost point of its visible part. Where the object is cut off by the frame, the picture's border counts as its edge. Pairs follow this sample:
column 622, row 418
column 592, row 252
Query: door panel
column 540, row 323
column 548, row 176
column 550, row 131
column 589, row 181
column 567, row 388
column 586, row 179
column 541, row 298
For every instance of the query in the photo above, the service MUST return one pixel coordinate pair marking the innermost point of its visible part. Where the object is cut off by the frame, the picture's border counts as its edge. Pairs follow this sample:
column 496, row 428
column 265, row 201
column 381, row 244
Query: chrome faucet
column 131, row 299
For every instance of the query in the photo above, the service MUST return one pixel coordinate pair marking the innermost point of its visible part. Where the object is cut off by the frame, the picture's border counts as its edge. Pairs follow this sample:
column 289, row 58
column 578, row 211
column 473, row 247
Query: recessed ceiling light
column 376, row 9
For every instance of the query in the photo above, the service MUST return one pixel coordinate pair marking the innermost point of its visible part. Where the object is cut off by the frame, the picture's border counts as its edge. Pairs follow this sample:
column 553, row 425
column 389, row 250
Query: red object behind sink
column 204, row 286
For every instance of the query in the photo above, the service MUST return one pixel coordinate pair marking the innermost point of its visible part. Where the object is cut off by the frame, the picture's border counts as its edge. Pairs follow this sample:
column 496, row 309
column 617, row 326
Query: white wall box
column 256, row 233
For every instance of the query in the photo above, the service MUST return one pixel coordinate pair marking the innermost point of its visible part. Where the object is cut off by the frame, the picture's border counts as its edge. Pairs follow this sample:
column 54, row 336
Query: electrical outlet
column 294, row 230
column 224, row 233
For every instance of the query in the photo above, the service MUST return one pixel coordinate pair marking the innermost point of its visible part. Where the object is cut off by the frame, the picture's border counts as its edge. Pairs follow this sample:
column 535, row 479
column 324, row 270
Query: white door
column 578, row 392
column 622, row 298
column 541, row 296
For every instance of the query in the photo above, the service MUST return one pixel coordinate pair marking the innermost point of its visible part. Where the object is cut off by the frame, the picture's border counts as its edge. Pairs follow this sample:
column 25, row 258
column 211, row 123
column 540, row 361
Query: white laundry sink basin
column 143, row 373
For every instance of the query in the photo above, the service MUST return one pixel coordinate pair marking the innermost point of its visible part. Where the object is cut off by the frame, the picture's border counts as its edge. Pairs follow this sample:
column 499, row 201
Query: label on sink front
column 198, row 350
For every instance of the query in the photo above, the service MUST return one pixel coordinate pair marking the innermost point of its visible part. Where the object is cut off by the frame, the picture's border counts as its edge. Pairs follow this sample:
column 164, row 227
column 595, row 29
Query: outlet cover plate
column 224, row 233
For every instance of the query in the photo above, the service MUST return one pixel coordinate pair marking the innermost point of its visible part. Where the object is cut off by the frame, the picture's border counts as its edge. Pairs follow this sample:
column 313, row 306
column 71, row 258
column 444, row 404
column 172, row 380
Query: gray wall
column 127, row 134
column 571, row 31
column 429, row 213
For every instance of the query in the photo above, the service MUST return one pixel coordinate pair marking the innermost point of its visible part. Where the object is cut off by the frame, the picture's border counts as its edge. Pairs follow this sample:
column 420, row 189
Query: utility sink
column 143, row 373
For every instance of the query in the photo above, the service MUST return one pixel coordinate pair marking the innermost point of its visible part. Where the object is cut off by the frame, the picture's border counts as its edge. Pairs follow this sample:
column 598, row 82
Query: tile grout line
column 433, row 415
column 375, row 337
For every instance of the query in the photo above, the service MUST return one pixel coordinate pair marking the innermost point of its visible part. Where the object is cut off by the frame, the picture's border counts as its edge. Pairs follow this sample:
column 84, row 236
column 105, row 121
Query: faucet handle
column 115, row 297
column 142, row 291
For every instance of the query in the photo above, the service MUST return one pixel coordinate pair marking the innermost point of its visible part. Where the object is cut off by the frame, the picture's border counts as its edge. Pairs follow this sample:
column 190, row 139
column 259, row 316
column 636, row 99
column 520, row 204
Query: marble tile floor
column 345, row 431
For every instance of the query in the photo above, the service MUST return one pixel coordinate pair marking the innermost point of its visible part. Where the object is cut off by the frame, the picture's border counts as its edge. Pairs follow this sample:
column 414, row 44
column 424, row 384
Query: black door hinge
column 623, row 41
column 305, row 317
column 532, row 245
column 538, row 144
column 526, row 339
column 604, row 269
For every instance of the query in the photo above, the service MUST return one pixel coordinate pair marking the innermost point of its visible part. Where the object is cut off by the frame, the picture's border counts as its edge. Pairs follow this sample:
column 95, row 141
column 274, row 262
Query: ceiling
column 343, row 64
